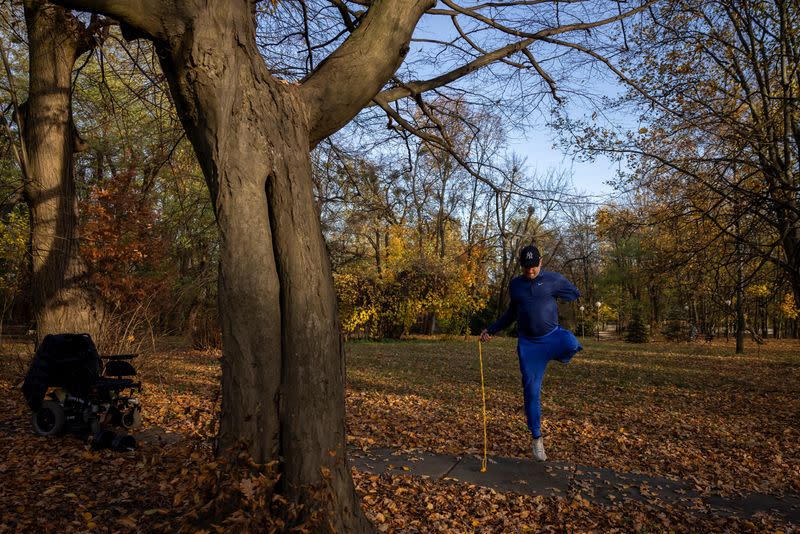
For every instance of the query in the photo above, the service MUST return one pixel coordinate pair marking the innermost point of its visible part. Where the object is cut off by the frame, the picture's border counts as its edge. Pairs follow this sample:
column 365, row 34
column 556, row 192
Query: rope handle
column 483, row 397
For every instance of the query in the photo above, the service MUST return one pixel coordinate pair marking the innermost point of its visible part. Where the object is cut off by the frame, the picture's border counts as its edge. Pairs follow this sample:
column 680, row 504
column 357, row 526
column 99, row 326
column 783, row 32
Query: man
column 540, row 339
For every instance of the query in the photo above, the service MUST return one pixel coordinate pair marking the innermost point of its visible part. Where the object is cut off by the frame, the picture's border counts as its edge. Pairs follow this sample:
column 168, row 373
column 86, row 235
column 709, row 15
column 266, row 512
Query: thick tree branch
column 354, row 73
column 150, row 17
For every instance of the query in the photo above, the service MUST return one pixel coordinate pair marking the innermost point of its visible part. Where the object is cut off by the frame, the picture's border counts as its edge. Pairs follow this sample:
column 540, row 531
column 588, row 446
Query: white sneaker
column 538, row 450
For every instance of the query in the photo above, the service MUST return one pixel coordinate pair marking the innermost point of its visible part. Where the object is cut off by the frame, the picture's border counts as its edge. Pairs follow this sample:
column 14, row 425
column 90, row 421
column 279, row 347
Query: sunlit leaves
column 120, row 242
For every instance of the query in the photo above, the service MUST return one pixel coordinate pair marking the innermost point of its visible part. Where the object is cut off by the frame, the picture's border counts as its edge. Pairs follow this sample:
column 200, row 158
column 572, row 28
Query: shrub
column 636, row 332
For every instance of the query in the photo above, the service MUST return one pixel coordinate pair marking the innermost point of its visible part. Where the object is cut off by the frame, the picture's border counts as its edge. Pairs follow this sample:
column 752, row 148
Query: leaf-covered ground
column 696, row 411
column 728, row 423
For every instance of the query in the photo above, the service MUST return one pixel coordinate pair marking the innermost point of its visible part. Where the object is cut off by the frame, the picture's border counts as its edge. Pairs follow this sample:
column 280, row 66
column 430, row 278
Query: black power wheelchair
column 71, row 388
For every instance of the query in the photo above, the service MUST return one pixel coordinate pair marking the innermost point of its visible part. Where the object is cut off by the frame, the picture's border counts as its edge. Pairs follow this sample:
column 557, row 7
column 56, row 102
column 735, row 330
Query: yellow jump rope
column 483, row 396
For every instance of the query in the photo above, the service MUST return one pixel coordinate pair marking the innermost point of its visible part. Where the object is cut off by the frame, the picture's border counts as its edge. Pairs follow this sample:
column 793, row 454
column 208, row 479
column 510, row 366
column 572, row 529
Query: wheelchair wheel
column 132, row 418
column 49, row 420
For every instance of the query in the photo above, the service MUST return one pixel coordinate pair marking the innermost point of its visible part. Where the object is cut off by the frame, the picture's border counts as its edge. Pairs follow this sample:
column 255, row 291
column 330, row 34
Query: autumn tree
column 661, row 243
column 715, row 86
column 579, row 257
column 121, row 245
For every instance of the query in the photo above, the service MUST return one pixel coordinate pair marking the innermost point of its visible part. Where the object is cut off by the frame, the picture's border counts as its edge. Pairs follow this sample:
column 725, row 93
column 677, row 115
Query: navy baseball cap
column 529, row 256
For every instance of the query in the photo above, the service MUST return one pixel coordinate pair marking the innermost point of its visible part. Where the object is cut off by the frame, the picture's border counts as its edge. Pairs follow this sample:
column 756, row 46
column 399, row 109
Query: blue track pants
column 534, row 355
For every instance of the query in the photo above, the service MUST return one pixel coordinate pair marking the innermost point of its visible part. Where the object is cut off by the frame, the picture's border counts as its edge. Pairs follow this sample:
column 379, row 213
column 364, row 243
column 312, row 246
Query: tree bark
column 63, row 299
column 283, row 363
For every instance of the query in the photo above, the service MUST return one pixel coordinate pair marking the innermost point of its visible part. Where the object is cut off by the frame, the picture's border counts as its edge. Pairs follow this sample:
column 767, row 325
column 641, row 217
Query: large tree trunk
column 63, row 299
column 283, row 363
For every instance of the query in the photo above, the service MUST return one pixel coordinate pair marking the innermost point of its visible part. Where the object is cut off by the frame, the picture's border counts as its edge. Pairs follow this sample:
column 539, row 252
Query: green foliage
column 676, row 328
column 636, row 332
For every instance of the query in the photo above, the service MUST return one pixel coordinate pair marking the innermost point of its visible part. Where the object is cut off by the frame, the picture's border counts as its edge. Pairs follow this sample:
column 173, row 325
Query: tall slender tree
column 63, row 298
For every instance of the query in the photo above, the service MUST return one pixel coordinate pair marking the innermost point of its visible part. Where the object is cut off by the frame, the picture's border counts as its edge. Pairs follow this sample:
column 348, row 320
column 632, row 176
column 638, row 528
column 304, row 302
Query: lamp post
column 583, row 324
column 599, row 324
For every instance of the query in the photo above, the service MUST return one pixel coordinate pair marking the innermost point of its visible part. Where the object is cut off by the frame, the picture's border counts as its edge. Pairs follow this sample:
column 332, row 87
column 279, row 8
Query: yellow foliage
column 415, row 282
column 788, row 308
column 14, row 233
column 359, row 318
column 605, row 312
column 758, row 290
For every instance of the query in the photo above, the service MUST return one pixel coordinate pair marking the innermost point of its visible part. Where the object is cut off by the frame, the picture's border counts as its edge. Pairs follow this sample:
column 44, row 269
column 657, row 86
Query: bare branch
column 347, row 19
column 550, row 81
column 20, row 154
column 417, row 87
column 548, row 31
column 474, row 45
column 442, row 142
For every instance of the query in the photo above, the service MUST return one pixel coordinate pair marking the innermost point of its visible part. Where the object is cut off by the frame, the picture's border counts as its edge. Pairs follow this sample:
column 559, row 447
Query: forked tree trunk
column 63, row 299
column 283, row 363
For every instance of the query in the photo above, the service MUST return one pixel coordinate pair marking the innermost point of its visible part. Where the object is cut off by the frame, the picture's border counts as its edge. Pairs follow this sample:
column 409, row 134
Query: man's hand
column 485, row 336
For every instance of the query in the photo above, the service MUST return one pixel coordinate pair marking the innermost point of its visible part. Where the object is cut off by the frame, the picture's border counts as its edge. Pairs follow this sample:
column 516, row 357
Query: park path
column 564, row 479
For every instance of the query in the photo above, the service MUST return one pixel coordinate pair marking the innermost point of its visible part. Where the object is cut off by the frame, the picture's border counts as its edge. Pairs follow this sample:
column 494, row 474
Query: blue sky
column 536, row 146
column 536, row 143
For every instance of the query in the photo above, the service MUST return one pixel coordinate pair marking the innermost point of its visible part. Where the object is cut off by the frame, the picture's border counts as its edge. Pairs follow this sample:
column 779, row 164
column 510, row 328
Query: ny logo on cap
column 529, row 256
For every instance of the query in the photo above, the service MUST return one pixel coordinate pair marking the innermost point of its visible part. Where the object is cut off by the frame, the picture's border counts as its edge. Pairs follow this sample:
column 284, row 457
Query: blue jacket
column 533, row 304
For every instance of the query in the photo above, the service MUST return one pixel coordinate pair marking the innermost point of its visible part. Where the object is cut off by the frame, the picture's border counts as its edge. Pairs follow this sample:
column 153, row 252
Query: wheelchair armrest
column 119, row 357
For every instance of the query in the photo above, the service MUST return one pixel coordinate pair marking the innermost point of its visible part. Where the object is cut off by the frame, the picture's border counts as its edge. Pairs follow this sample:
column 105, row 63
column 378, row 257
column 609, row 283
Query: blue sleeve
column 506, row 319
column 565, row 290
